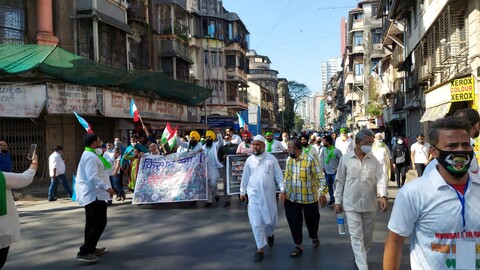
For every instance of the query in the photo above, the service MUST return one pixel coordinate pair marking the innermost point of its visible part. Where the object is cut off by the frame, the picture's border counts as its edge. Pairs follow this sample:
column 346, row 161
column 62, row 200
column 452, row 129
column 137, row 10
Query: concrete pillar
column 44, row 35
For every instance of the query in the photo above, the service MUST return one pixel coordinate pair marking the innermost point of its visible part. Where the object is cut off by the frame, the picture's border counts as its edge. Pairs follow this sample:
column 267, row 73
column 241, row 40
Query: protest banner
column 235, row 164
column 179, row 177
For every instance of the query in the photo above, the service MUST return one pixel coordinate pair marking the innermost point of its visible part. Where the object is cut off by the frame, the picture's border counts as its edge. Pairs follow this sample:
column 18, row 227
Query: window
column 358, row 69
column 374, row 10
column 415, row 14
column 12, row 22
column 358, row 16
column 377, row 36
column 85, row 38
column 358, row 39
column 214, row 59
column 230, row 61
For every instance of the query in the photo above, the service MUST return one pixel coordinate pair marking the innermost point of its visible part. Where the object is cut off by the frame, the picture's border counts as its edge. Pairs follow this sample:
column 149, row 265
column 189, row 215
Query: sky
column 297, row 35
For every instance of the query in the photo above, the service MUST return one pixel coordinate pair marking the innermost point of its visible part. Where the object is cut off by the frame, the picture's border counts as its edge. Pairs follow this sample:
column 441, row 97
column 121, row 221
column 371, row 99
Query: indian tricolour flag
column 170, row 135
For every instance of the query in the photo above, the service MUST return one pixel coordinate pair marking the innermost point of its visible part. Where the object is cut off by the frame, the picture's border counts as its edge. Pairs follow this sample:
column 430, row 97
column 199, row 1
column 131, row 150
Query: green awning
column 58, row 63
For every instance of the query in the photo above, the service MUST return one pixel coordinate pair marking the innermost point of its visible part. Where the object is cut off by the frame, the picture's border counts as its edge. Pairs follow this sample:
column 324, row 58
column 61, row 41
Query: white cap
column 259, row 138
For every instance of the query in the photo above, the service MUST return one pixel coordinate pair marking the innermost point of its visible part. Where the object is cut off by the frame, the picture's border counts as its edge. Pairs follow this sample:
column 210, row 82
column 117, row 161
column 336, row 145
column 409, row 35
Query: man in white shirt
column 235, row 139
column 420, row 154
column 56, row 167
column 273, row 145
column 285, row 138
column 344, row 143
column 93, row 191
column 261, row 172
column 359, row 178
column 210, row 149
column 439, row 211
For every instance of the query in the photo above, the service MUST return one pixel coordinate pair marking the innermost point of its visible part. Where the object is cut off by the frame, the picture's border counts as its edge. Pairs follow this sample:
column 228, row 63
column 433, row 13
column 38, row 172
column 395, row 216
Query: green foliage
column 374, row 108
column 298, row 91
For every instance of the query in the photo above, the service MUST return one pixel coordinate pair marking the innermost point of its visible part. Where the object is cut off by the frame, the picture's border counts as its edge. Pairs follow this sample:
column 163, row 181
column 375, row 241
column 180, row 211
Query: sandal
column 316, row 242
column 297, row 251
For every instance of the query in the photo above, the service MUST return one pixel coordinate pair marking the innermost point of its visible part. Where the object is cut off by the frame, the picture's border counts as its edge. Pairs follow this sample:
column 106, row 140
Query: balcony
column 234, row 101
column 377, row 50
column 397, row 56
column 172, row 48
column 235, row 74
column 173, row 29
column 350, row 95
column 137, row 10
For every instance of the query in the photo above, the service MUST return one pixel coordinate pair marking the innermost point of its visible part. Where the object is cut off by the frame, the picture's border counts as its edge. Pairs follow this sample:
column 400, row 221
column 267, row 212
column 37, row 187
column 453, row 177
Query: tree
column 299, row 122
column 298, row 91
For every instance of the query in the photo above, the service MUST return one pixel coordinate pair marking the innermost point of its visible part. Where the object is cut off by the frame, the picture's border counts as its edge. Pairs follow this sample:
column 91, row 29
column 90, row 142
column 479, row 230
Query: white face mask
column 400, row 141
column 98, row 151
column 366, row 149
column 110, row 150
column 117, row 143
column 285, row 139
column 133, row 143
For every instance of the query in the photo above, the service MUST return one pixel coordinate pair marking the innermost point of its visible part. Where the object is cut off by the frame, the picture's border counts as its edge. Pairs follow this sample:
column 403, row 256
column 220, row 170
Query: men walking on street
column 56, row 167
column 359, row 178
column 273, row 145
column 420, row 154
column 329, row 158
column 93, row 191
column 228, row 148
column 210, row 149
column 261, row 172
column 344, row 143
column 302, row 185
column 439, row 211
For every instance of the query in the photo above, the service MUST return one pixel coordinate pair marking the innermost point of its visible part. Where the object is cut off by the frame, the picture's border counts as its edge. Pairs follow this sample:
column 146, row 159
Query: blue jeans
column 330, row 178
column 52, row 190
column 115, row 181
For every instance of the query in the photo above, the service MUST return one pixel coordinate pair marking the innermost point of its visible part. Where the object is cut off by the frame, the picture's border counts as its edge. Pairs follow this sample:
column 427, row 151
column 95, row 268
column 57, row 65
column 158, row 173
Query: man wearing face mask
column 261, row 172
column 304, row 189
column 93, row 191
column 210, row 149
column 420, row 154
column 360, row 177
column 228, row 148
column 439, row 210
column 473, row 119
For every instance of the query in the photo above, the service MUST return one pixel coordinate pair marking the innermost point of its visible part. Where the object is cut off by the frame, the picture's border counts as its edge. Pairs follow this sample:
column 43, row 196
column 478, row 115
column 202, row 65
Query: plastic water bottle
column 341, row 223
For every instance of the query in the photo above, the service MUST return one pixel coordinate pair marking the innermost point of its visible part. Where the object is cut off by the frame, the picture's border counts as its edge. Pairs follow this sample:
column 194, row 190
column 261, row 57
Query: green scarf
column 3, row 195
column 269, row 146
column 307, row 149
column 330, row 153
column 102, row 159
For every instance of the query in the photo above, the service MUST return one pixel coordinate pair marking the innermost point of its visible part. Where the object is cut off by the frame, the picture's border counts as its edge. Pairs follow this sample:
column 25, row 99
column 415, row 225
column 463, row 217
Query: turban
column 210, row 134
column 268, row 133
column 195, row 135
column 259, row 138
column 246, row 133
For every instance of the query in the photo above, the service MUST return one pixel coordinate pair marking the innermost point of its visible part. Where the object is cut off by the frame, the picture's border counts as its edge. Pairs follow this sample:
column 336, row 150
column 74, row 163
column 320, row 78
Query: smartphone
column 33, row 147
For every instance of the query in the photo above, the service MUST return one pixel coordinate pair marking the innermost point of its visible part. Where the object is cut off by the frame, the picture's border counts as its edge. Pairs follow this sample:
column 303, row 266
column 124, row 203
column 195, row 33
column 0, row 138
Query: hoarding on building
column 65, row 98
column 24, row 101
column 462, row 89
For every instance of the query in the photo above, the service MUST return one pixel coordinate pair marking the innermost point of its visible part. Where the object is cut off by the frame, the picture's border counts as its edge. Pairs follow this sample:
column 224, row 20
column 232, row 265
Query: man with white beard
column 261, row 172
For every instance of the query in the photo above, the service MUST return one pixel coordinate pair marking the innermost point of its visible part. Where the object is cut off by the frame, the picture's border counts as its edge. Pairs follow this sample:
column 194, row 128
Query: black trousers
column 3, row 256
column 95, row 222
column 295, row 213
column 420, row 167
column 401, row 173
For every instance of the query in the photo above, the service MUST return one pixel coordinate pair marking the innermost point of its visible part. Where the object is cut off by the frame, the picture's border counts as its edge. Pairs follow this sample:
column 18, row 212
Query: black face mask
column 209, row 142
column 292, row 155
column 456, row 163
column 193, row 143
column 305, row 144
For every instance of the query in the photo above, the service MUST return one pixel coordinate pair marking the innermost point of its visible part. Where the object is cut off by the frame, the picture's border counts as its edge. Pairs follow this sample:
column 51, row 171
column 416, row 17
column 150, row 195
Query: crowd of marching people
column 348, row 172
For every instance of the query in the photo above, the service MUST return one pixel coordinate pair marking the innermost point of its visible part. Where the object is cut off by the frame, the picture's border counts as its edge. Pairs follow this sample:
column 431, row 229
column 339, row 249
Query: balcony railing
column 179, row 29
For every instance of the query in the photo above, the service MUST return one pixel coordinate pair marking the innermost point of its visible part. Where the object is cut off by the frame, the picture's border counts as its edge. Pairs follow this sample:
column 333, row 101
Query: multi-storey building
column 262, row 75
column 329, row 69
column 285, row 105
column 105, row 54
column 435, row 61
column 363, row 53
column 334, row 108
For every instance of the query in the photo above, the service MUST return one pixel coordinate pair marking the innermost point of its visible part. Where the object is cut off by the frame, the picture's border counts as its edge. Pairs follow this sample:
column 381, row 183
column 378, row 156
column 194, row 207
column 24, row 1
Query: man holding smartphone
column 56, row 167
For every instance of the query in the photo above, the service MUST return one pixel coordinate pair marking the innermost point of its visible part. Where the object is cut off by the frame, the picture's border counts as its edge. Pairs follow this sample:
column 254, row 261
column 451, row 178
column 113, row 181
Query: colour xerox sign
column 462, row 89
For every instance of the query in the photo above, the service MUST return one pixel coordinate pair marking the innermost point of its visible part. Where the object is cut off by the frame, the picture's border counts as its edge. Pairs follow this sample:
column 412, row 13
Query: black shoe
column 99, row 251
column 271, row 240
column 226, row 204
column 109, row 202
column 258, row 256
column 89, row 258
column 330, row 203
column 217, row 198
column 208, row 204
column 52, row 199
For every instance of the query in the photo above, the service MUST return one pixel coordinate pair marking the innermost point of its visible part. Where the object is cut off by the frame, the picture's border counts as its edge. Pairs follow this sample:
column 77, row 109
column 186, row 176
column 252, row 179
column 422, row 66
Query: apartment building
column 329, row 69
column 433, row 68
column 364, row 51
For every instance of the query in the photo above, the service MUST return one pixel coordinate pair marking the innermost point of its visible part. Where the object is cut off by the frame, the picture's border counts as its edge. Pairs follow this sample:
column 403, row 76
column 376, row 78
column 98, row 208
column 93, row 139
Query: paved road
column 178, row 236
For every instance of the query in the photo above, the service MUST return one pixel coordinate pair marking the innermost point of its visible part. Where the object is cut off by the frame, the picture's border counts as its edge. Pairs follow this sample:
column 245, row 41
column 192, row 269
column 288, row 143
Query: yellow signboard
column 462, row 89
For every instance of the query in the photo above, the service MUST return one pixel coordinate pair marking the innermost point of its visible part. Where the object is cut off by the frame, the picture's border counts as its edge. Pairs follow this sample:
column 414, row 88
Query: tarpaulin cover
column 58, row 63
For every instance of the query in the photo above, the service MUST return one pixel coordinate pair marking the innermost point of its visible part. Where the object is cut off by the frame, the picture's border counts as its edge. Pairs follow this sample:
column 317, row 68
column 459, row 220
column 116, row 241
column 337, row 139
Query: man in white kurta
column 261, row 172
column 211, row 156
